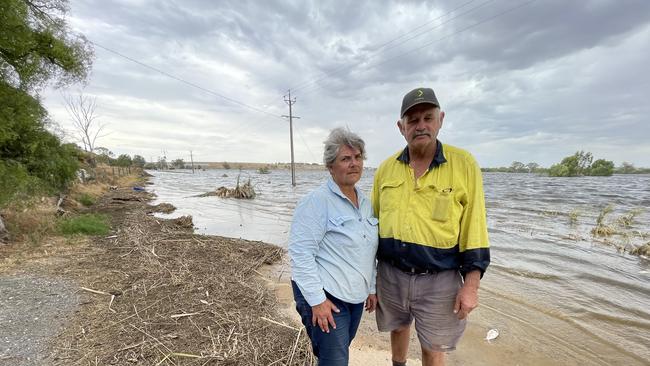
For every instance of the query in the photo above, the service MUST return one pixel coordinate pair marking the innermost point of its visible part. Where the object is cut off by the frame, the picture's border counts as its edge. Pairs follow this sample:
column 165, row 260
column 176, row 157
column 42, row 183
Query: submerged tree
column 178, row 163
column 580, row 164
column 602, row 167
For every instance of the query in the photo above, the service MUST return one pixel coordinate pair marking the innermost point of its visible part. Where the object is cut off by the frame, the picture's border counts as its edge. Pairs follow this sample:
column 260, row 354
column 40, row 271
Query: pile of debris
column 155, row 293
column 245, row 191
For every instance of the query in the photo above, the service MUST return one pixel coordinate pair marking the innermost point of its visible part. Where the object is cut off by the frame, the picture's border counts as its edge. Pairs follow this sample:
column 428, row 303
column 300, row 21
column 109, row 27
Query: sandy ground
column 521, row 341
column 48, row 283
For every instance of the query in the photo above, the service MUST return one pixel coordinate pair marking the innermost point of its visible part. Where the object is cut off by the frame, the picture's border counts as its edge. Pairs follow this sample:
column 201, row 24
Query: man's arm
column 467, row 297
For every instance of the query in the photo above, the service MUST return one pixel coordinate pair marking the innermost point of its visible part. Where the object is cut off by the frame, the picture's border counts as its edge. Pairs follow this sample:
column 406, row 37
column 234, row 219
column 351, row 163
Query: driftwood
column 245, row 191
column 59, row 210
column 4, row 234
column 162, row 207
column 183, row 222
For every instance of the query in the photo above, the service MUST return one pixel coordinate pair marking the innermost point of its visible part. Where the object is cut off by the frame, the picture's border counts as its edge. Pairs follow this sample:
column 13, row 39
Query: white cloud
column 534, row 84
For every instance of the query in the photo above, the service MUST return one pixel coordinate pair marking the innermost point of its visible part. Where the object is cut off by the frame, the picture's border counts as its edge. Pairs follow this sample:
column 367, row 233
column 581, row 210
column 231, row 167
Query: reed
column 602, row 228
column 627, row 220
column 573, row 216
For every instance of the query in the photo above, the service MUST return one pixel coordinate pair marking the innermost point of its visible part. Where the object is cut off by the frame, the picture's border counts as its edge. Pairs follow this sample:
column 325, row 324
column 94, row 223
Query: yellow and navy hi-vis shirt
column 436, row 222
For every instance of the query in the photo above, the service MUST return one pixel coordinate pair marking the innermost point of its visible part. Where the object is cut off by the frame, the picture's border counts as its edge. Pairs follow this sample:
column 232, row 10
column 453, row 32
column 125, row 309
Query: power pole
column 290, row 102
column 192, row 160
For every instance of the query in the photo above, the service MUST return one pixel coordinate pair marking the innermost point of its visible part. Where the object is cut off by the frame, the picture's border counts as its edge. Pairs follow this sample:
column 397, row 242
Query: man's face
column 346, row 169
column 420, row 125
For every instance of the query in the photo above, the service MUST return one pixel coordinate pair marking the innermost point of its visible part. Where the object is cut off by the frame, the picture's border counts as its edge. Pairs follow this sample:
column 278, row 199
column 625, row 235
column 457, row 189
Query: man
column 433, row 241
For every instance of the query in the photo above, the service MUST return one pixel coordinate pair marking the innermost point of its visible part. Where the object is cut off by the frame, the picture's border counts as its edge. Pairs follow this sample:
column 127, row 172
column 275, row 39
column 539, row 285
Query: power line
column 383, row 47
column 401, row 55
column 313, row 157
column 234, row 101
column 425, row 24
column 378, row 48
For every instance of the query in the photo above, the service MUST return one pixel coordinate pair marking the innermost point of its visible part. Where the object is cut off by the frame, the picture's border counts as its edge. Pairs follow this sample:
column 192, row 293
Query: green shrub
column 15, row 181
column 602, row 167
column 31, row 158
column 86, row 199
column 89, row 224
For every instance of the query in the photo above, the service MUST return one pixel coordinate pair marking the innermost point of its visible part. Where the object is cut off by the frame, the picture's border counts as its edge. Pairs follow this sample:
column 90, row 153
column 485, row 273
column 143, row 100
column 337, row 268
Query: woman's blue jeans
column 333, row 348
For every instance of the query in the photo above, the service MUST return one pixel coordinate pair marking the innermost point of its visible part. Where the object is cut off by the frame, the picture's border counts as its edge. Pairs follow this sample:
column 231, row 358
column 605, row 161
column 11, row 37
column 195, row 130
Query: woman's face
column 348, row 166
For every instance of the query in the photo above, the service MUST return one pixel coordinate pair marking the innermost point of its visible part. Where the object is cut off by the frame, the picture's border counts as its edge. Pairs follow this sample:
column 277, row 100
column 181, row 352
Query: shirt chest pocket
column 341, row 224
column 390, row 195
column 441, row 205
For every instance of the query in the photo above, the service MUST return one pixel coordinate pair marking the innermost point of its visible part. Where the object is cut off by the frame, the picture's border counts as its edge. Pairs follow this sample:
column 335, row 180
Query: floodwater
column 553, row 290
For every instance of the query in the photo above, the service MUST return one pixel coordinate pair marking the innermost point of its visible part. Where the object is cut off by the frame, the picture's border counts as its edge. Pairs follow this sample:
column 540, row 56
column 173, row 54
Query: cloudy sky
column 531, row 81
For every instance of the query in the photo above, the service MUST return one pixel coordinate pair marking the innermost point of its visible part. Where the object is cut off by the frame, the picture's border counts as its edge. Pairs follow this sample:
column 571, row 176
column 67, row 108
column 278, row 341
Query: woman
column 332, row 246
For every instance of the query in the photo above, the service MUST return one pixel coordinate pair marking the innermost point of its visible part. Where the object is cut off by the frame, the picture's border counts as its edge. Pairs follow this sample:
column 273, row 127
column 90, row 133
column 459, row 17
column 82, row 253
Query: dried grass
column 30, row 222
column 162, row 207
column 642, row 250
column 157, row 294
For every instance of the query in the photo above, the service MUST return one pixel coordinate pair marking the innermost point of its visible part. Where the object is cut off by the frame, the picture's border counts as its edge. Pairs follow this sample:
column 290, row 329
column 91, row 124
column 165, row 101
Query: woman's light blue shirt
column 332, row 246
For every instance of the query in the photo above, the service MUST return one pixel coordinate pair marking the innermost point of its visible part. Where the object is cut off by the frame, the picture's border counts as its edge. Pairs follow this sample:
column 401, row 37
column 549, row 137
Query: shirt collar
column 438, row 159
column 331, row 184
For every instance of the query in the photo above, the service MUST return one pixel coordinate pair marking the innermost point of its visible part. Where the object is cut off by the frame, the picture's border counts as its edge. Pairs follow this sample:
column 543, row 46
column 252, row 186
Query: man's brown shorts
column 427, row 298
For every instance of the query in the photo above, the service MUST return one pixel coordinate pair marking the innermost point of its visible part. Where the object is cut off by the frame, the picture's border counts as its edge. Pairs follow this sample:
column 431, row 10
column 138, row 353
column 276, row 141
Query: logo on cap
column 420, row 92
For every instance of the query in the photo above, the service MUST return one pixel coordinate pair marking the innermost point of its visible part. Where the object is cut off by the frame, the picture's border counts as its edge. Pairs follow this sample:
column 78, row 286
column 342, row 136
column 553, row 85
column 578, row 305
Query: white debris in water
column 492, row 334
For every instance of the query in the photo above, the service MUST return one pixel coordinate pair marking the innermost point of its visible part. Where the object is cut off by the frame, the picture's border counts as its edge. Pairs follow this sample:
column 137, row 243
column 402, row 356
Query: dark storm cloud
column 537, row 78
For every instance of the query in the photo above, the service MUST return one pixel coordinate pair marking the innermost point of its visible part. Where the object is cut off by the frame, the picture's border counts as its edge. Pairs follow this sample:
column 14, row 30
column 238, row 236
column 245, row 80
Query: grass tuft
column 628, row 219
column 573, row 216
column 86, row 199
column 602, row 228
column 89, row 224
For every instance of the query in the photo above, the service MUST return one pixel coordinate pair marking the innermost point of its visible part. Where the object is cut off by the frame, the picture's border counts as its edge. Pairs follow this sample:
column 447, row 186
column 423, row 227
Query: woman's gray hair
column 337, row 138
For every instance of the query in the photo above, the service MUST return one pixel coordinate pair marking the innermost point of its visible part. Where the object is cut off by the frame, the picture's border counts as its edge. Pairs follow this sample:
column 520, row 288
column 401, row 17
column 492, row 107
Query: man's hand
column 467, row 298
column 371, row 303
column 322, row 314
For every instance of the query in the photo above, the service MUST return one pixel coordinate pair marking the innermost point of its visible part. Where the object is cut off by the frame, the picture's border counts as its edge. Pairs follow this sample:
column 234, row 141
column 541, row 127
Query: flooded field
column 552, row 289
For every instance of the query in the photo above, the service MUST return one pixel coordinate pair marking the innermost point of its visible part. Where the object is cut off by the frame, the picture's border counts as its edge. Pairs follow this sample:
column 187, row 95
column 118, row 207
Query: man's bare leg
column 430, row 358
column 399, row 343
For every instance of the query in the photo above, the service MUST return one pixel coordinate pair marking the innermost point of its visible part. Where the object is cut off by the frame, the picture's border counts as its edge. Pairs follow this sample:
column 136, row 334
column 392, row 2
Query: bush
column 580, row 164
column 602, row 167
column 558, row 170
column 31, row 158
column 89, row 224
column 15, row 181
column 86, row 199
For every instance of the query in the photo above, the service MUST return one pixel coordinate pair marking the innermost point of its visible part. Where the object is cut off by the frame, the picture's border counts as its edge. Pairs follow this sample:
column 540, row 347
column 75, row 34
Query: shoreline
column 113, row 265
column 150, row 293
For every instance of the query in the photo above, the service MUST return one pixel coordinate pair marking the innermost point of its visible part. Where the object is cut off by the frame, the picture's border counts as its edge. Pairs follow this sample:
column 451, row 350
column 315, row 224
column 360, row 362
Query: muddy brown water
column 553, row 290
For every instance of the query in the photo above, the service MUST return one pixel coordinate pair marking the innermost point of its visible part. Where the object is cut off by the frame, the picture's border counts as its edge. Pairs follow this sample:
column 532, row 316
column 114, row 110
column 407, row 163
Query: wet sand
column 527, row 337
column 557, row 293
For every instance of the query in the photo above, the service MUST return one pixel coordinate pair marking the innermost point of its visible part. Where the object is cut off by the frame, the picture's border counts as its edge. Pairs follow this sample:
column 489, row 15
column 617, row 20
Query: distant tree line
column 579, row 164
column 517, row 167
column 628, row 168
column 105, row 156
